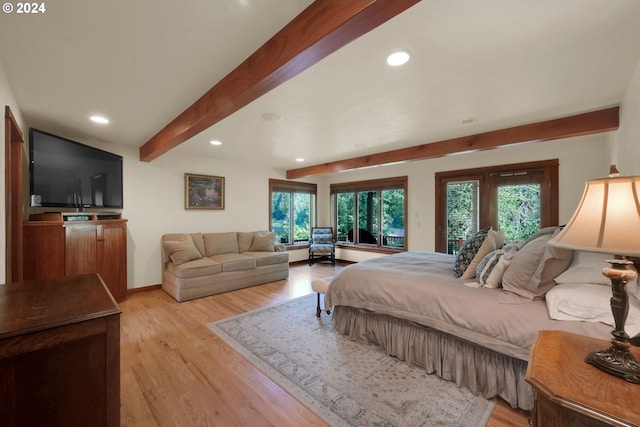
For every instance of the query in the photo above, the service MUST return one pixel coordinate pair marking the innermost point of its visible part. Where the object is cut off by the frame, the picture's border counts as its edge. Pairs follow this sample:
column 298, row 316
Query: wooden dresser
column 59, row 353
column 65, row 244
column 570, row 392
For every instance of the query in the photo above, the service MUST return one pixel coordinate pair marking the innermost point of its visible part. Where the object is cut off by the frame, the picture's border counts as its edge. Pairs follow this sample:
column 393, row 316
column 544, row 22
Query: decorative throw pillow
column 491, row 268
column 263, row 242
column 554, row 261
column 468, row 252
column 517, row 278
column 488, row 245
column 542, row 232
column 499, row 235
column 181, row 251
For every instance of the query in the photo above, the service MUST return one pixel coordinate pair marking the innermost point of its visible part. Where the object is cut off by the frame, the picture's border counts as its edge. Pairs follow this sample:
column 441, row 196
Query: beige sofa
column 200, row 264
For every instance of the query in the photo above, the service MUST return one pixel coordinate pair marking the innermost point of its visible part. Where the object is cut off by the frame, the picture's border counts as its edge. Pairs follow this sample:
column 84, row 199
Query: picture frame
column 203, row 191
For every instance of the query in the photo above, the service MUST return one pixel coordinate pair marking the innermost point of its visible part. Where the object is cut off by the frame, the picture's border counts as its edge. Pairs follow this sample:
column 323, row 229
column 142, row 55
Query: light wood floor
column 175, row 372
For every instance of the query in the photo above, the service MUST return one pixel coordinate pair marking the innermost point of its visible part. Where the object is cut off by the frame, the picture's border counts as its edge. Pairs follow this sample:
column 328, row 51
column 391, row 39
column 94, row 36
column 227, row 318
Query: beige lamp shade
column 607, row 219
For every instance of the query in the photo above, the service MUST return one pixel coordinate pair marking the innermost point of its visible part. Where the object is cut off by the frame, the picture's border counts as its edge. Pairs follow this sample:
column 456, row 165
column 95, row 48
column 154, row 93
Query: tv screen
column 65, row 173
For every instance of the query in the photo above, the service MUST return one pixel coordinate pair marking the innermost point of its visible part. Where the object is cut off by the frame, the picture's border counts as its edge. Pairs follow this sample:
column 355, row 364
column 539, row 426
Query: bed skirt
column 483, row 371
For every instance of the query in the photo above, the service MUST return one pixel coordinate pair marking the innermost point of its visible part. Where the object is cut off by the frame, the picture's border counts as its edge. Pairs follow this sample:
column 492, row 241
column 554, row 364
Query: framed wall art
column 203, row 191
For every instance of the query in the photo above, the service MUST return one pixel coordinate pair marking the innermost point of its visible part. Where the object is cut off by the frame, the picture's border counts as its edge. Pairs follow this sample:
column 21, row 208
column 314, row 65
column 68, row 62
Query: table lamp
column 607, row 220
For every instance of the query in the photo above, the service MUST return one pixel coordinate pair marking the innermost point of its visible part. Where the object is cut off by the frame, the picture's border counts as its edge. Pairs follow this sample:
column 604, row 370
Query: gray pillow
column 181, row 251
column 518, row 278
column 263, row 242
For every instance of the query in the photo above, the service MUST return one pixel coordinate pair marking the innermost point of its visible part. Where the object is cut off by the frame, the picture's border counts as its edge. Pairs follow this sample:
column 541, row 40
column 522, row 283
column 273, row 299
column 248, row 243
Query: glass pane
column 393, row 218
column 302, row 215
column 519, row 210
column 280, row 216
column 462, row 212
column 345, row 203
column 368, row 217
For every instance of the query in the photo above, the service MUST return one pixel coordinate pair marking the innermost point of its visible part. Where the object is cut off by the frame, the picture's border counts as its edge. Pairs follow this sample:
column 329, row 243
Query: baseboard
column 143, row 289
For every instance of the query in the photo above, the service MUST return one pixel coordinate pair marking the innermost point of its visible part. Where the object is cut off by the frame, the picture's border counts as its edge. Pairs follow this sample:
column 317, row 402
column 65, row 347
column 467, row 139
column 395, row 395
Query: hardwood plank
column 321, row 29
column 577, row 125
column 175, row 372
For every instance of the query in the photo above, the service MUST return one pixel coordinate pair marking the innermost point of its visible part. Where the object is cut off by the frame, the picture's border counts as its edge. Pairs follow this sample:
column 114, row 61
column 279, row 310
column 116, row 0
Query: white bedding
column 421, row 287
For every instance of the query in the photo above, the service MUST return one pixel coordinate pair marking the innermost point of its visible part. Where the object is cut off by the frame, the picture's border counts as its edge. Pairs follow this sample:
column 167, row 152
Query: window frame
column 293, row 187
column 489, row 178
column 378, row 185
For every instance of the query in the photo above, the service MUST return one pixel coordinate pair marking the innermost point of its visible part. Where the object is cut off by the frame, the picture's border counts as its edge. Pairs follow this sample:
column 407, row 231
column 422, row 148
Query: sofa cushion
column 196, row 268
column 245, row 239
column 263, row 241
column 268, row 258
column 181, row 251
column 198, row 240
column 220, row 243
column 235, row 262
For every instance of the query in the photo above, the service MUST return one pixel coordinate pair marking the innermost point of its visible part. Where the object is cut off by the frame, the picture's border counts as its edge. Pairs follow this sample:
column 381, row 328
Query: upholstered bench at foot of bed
column 320, row 286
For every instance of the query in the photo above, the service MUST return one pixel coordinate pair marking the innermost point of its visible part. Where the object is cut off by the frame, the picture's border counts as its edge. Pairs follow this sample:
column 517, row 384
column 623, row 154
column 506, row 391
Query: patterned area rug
column 346, row 383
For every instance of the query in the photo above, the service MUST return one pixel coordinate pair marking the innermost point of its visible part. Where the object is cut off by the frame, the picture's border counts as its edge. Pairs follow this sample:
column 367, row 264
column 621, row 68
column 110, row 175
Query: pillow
column 492, row 267
column 488, row 245
column 499, row 235
column 468, row 252
column 589, row 302
column 263, row 242
column 181, row 251
column 586, row 267
column 244, row 240
column 554, row 261
column 517, row 278
column 542, row 232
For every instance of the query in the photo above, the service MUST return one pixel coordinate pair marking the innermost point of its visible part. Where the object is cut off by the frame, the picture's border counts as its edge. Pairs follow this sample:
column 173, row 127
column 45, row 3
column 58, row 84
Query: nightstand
column 570, row 392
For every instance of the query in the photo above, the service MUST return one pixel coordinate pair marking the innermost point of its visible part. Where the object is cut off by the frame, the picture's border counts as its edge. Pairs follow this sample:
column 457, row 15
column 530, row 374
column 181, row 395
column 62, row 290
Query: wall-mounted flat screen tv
column 67, row 174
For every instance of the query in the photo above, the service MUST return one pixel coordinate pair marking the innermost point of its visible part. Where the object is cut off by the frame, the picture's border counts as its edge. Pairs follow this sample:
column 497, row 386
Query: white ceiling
column 501, row 63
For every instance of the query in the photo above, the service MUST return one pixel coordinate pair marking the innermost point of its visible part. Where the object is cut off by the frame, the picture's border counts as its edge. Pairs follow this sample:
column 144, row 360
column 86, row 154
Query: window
column 519, row 198
column 377, row 209
column 292, row 211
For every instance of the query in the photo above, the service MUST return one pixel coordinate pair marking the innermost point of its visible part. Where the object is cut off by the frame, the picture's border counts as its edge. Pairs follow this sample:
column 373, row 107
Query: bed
column 413, row 306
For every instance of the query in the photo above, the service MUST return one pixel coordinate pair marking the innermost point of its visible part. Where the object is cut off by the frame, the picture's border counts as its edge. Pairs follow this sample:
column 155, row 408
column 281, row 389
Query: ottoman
column 320, row 286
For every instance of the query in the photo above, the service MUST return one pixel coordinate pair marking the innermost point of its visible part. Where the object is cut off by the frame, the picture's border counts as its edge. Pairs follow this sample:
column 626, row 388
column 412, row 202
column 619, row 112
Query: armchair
column 322, row 245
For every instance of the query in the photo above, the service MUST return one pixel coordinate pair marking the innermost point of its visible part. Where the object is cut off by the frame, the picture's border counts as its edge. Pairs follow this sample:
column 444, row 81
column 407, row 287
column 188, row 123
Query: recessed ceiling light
column 398, row 58
column 467, row 121
column 299, row 160
column 99, row 119
column 271, row 117
column 215, row 142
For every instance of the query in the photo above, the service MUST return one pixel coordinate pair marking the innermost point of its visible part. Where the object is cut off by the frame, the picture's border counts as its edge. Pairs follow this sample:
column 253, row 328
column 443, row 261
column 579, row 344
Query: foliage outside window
column 519, row 198
column 377, row 209
column 292, row 210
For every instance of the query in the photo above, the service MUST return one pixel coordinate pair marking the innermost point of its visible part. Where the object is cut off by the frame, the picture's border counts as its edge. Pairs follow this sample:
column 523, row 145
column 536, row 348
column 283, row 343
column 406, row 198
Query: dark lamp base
column 616, row 361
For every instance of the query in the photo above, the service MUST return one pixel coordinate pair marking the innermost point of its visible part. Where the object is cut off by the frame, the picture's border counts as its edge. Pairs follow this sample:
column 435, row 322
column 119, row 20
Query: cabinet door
column 112, row 257
column 43, row 251
column 80, row 248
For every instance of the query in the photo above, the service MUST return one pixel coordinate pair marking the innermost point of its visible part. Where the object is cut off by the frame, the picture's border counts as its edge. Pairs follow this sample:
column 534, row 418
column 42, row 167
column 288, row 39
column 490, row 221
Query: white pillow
column 586, row 267
column 589, row 302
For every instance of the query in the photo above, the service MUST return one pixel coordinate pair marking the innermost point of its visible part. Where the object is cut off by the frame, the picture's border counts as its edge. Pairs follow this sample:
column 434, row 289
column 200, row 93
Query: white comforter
column 420, row 287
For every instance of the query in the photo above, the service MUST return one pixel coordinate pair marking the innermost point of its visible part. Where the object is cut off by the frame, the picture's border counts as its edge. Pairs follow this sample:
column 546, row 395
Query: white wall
column 625, row 149
column 580, row 159
column 154, row 205
column 6, row 98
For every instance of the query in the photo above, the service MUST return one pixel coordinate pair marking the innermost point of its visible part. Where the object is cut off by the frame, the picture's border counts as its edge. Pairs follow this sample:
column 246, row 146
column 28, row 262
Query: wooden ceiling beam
column 581, row 124
column 321, row 29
